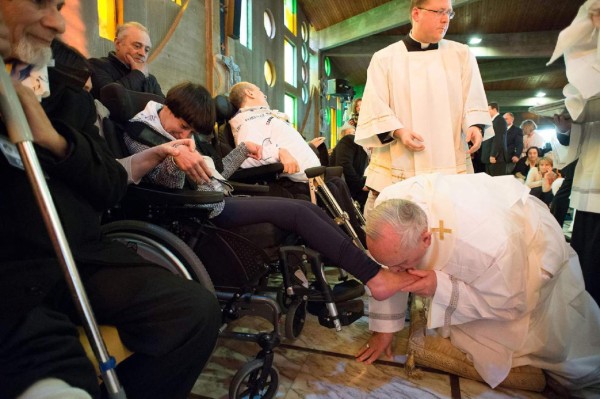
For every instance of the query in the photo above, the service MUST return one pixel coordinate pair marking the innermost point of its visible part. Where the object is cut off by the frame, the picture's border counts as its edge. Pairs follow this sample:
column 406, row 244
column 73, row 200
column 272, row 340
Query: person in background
column 354, row 159
column 526, row 163
column 531, row 138
column 492, row 151
column 128, row 63
column 514, row 142
column 355, row 112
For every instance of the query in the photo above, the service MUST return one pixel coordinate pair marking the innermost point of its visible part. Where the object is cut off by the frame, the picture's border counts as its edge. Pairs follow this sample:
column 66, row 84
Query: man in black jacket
column 170, row 323
column 128, row 64
column 492, row 151
column 354, row 159
column 514, row 142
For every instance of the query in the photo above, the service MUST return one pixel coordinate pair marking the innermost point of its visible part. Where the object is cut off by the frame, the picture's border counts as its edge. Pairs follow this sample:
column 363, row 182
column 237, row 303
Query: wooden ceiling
column 518, row 37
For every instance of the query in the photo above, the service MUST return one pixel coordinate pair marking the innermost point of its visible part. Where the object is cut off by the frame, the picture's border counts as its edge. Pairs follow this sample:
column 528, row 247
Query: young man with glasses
column 423, row 103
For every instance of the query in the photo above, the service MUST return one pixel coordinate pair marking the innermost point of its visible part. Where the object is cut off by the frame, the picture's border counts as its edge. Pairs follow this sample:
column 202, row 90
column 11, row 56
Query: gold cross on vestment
column 441, row 230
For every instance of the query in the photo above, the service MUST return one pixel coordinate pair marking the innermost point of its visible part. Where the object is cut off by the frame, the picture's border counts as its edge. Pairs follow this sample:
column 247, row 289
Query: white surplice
column 509, row 288
column 437, row 94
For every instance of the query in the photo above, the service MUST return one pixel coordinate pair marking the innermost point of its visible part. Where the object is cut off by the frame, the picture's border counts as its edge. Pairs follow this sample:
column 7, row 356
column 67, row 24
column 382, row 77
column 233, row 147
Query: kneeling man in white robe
column 503, row 283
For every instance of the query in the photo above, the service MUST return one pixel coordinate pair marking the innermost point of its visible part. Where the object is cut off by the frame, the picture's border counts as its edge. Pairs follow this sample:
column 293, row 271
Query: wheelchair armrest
column 248, row 188
column 160, row 195
column 258, row 173
column 334, row 171
column 314, row 172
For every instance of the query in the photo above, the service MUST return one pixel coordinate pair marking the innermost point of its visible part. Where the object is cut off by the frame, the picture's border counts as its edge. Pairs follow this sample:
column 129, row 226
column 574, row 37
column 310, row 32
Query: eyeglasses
column 449, row 13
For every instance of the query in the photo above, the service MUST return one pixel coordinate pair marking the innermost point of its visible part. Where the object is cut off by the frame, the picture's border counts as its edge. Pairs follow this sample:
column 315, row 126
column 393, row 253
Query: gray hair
column 122, row 29
column 405, row 217
column 528, row 123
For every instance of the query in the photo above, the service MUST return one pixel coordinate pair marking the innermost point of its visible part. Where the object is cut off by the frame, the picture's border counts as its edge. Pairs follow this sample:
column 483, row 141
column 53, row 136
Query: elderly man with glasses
column 423, row 103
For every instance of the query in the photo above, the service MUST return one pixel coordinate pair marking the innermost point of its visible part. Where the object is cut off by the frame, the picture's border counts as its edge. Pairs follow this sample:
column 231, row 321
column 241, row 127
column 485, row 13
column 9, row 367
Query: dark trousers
column 495, row 169
column 339, row 190
column 586, row 242
column 305, row 219
column 560, row 204
column 170, row 324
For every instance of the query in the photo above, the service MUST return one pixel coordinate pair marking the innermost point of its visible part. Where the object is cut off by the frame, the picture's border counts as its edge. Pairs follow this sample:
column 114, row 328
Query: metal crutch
column 19, row 134
column 318, row 187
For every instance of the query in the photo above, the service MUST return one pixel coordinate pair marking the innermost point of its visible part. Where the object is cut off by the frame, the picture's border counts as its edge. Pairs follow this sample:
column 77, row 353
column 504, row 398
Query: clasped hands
column 415, row 142
column 192, row 163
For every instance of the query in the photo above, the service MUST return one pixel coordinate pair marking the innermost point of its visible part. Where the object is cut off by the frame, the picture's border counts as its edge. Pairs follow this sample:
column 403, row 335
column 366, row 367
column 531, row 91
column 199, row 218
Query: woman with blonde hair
column 531, row 138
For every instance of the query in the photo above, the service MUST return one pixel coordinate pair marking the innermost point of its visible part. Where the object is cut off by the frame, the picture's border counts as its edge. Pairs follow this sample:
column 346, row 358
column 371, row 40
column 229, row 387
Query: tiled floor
column 320, row 364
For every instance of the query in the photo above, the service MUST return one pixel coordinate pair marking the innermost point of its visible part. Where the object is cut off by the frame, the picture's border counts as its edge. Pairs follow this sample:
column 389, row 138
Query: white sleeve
column 476, row 110
column 256, row 133
column 388, row 315
column 503, row 292
column 376, row 116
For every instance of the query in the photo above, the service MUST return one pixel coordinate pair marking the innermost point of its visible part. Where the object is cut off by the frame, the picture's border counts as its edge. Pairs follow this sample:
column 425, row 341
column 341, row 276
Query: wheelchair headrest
column 124, row 104
column 225, row 109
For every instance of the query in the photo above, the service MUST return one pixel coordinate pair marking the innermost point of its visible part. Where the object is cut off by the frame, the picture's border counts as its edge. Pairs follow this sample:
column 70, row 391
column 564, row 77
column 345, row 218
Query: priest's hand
column 411, row 140
column 378, row 343
column 425, row 286
column 492, row 159
column 475, row 137
column 562, row 123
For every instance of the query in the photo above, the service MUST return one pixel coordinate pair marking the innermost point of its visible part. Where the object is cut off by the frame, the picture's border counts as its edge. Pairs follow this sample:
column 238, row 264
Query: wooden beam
column 521, row 100
column 513, row 69
column 505, row 45
column 376, row 20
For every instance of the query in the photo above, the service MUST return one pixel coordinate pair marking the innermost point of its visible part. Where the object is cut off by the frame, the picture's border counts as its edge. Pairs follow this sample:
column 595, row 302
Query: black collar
column 413, row 45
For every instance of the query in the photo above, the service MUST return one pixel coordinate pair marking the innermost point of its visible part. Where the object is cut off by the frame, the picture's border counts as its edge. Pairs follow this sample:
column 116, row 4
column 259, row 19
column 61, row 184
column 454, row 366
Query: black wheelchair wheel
column 161, row 247
column 295, row 318
column 246, row 384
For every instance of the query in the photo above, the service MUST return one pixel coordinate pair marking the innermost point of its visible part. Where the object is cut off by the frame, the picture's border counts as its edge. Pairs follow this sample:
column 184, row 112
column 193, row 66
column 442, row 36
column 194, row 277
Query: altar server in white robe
column 502, row 282
column 578, row 43
column 423, row 102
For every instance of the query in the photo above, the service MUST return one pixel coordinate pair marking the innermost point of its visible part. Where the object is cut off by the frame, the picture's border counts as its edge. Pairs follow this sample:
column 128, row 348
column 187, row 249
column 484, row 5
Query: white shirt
column 264, row 126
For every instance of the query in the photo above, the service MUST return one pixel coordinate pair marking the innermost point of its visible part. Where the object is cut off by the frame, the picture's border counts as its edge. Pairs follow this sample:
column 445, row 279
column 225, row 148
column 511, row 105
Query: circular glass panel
column 304, row 94
column 304, row 52
column 304, row 31
column 327, row 66
column 304, row 72
column 269, row 23
column 270, row 75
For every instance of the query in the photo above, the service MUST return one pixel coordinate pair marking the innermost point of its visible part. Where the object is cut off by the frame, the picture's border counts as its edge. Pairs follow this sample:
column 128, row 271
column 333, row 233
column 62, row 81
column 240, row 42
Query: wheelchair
column 161, row 225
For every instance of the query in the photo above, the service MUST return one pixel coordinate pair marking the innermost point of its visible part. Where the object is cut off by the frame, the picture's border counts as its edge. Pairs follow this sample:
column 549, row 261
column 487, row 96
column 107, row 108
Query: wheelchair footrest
column 348, row 313
column 347, row 290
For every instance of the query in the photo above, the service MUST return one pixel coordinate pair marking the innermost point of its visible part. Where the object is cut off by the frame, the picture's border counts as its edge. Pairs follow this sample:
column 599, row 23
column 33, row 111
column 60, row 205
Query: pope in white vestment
column 509, row 288
column 438, row 94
